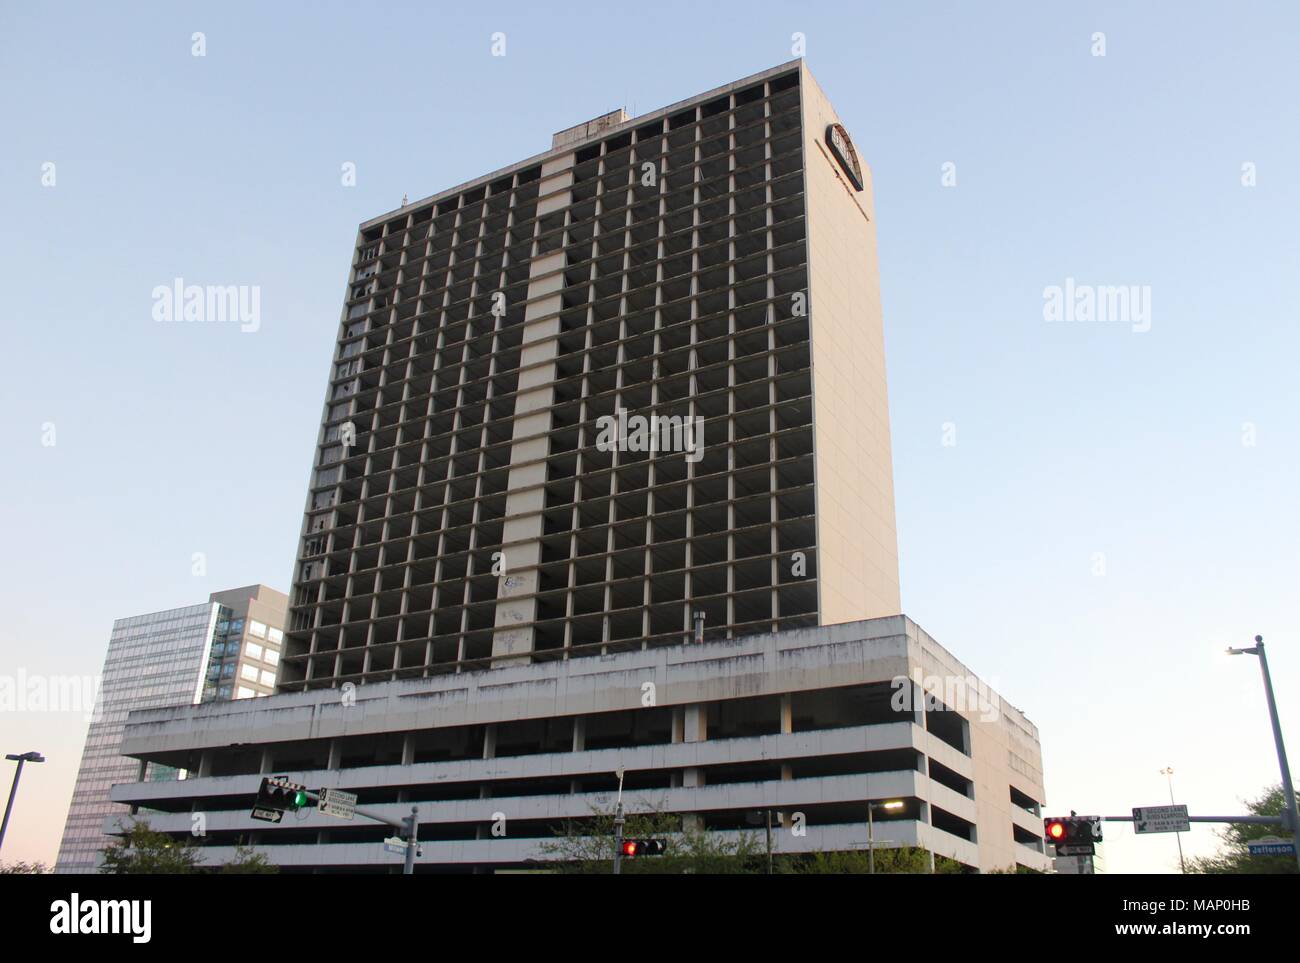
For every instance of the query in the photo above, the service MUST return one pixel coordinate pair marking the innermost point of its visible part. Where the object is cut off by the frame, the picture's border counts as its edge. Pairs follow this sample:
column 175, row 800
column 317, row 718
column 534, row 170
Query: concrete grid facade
column 666, row 269
column 501, row 587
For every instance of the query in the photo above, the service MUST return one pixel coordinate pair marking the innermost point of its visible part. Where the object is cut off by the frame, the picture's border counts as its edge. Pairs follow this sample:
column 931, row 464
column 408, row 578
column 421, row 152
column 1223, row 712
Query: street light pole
column 618, row 827
column 871, row 831
column 1168, row 773
column 871, row 840
column 1288, row 790
column 769, row 842
column 19, row 758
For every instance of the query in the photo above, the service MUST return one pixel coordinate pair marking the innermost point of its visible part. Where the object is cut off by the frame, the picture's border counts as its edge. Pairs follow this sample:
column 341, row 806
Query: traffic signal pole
column 412, row 833
column 408, row 828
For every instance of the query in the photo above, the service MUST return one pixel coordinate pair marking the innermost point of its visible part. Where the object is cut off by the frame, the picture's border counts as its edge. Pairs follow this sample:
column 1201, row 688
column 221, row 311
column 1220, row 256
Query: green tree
column 23, row 869
column 587, row 846
column 248, row 861
column 142, row 850
column 1233, row 856
column 905, row 859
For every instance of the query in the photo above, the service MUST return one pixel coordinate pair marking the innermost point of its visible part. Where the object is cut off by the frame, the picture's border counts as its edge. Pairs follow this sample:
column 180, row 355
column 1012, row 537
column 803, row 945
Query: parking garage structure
column 807, row 723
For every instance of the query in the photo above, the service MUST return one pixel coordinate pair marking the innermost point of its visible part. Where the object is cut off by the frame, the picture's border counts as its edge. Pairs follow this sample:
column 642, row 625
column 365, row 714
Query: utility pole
column 618, row 827
column 1168, row 773
column 871, row 840
column 769, row 842
column 1288, row 790
column 412, row 824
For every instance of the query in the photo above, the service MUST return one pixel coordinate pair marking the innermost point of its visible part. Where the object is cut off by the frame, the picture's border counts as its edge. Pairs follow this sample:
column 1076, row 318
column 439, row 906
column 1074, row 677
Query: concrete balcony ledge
column 774, row 794
column 802, row 659
column 795, row 745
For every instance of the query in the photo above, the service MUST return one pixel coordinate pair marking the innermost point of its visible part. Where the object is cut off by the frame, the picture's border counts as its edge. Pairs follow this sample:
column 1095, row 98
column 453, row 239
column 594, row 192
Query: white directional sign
column 336, row 802
column 1081, row 849
column 1160, row 819
column 1271, row 846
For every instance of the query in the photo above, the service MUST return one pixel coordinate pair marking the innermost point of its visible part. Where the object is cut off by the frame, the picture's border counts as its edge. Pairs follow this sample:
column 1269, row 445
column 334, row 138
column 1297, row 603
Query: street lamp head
column 32, row 756
column 892, row 804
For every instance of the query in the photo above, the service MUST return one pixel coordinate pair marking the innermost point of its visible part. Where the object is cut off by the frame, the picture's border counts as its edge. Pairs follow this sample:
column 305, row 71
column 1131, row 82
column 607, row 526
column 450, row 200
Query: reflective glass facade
column 210, row 652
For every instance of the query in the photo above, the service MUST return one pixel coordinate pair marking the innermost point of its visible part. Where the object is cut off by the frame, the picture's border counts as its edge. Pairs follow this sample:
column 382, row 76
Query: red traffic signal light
column 643, row 847
column 1071, row 834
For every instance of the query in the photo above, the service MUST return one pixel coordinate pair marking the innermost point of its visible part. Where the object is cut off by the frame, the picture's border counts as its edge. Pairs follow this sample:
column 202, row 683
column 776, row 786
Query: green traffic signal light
column 299, row 799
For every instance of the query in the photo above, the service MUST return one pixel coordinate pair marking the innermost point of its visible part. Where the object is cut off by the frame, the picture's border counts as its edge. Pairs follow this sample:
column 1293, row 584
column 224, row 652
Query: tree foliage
column 144, row 851
column 587, row 846
column 21, row 868
column 248, row 861
column 1233, row 856
column 904, row 859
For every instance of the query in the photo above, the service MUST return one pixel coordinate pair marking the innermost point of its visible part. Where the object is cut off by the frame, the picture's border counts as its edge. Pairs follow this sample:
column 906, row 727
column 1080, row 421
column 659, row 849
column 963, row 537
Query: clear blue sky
column 1072, row 439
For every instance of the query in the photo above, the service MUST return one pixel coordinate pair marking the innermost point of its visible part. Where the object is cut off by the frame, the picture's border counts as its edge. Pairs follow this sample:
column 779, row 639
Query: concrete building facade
column 223, row 649
column 812, row 723
column 579, row 405
column 710, row 263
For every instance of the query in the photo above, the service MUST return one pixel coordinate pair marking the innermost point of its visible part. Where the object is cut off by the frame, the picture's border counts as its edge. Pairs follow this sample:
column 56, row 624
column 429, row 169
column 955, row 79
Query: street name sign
column 395, row 844
column 1271, row 846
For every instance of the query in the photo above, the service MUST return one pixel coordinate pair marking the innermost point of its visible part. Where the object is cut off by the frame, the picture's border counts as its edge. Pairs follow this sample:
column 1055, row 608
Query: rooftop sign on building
column 571, row 135
column 842, row 148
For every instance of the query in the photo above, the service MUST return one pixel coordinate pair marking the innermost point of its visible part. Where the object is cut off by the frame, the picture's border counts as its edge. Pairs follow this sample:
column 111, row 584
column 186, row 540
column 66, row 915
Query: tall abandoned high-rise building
column 576, row 404
column 713, row 263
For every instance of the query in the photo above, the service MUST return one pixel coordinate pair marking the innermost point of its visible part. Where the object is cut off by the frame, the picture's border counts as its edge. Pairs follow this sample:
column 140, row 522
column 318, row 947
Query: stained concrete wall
column 684, row 676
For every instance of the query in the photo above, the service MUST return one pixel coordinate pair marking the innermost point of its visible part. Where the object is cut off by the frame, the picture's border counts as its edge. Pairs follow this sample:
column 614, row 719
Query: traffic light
column 278, row 795
column 1055, row 830
column 1073, row 835
column 643, row 847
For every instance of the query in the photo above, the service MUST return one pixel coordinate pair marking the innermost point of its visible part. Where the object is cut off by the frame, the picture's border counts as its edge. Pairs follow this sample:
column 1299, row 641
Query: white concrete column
column 695, row 728
column 525, row 498
column 579, row 745
column 787, row 726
